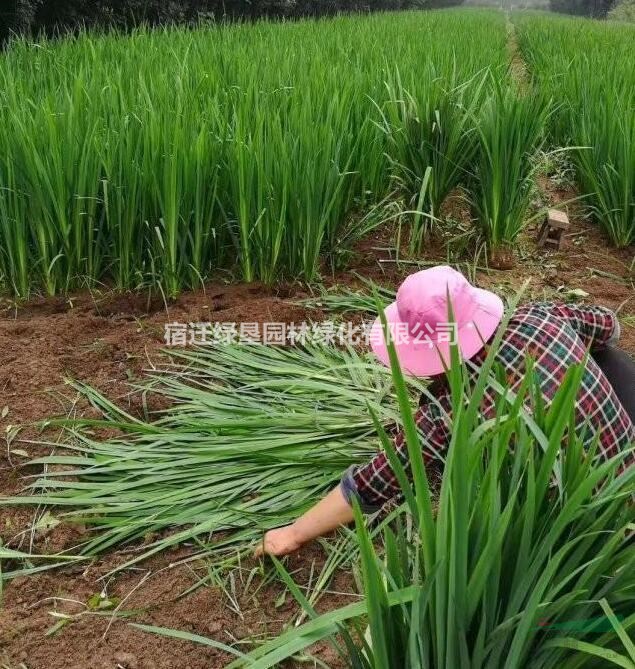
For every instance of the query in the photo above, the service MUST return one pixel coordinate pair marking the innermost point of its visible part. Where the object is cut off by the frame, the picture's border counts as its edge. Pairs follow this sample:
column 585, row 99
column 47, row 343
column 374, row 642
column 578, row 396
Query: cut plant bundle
column 343, row 299
column 257, row 433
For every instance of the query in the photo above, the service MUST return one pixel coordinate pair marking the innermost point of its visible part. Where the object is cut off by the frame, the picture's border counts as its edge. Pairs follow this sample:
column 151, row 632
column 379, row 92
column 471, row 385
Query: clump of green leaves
column 510, row 132
column 431, row 137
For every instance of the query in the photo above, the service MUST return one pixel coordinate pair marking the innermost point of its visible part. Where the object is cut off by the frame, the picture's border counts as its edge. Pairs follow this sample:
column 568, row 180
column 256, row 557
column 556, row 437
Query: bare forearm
column 329, row 513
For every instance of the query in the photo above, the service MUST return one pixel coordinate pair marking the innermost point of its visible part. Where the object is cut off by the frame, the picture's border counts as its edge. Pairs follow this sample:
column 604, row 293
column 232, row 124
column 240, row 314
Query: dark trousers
column 619, row 369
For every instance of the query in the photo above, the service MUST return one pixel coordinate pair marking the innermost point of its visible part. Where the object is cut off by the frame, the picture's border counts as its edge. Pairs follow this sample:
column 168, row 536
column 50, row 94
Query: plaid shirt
column 556, row 336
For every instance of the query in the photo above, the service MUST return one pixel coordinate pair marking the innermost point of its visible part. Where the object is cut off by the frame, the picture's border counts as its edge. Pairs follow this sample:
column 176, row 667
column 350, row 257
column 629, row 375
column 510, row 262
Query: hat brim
column 427, row 357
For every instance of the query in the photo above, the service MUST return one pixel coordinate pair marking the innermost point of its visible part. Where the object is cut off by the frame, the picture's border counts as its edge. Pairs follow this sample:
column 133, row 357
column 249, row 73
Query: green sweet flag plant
column 510, row 132
column 431, row 135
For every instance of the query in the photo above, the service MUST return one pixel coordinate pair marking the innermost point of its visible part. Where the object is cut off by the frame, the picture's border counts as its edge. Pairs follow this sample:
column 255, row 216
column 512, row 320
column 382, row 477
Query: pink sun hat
column 418, row 321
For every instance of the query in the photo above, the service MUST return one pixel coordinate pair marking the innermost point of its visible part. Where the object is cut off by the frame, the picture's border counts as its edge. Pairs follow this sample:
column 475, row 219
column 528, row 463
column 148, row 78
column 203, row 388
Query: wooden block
column 557, row 219
column 550, row 234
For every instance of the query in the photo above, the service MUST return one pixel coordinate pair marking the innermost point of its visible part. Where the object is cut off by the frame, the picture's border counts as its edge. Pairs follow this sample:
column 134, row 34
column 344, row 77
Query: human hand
column 278, row 542
column 329, row 513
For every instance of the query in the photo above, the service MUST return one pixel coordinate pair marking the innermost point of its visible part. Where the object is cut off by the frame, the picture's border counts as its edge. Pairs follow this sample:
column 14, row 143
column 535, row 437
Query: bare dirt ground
column 107, row 340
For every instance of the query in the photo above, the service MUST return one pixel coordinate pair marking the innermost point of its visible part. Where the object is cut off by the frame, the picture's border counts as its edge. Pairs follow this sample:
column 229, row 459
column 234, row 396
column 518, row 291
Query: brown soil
column 149, row 596
column 502, row 257
column 107, row 340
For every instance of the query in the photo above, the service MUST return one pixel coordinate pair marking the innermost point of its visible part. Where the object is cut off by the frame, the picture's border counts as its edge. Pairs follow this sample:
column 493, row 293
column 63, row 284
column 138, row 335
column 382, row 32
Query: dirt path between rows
column 518, row 67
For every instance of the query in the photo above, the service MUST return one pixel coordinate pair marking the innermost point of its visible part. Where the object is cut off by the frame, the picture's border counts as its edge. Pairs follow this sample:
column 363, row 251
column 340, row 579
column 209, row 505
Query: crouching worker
column 555, row 335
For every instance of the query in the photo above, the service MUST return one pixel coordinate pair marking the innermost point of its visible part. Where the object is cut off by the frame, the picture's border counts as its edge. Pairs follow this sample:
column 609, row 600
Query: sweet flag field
column 161, row 183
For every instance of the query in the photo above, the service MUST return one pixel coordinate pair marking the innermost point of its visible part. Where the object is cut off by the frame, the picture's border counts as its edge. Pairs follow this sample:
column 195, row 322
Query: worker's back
column 556, row 337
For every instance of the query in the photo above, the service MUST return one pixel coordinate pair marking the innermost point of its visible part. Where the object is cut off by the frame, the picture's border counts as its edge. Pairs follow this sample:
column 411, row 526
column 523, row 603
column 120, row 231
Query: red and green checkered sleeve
column 596, row 326
column 375, row 483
